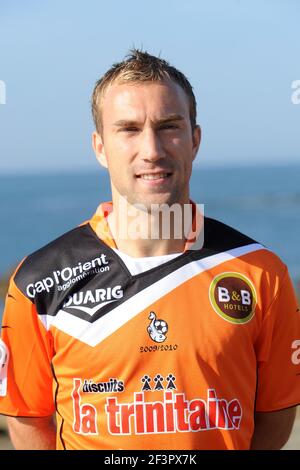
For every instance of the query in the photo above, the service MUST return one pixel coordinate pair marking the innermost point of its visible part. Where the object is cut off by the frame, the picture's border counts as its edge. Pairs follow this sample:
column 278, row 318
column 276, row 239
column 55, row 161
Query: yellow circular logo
column 233, row 297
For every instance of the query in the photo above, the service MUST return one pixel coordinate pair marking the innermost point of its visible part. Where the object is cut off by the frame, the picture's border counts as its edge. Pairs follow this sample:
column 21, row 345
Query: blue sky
column 240, row 56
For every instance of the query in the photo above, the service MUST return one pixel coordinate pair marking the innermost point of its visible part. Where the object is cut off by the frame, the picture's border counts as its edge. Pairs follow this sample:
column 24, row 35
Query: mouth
column 157, row 177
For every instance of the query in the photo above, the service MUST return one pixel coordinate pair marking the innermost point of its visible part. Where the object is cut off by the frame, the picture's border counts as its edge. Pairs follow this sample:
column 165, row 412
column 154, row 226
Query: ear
column 196, row 140
column 98, row 146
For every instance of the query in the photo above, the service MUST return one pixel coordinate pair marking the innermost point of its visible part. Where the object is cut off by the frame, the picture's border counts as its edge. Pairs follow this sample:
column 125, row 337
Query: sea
column 262, row 202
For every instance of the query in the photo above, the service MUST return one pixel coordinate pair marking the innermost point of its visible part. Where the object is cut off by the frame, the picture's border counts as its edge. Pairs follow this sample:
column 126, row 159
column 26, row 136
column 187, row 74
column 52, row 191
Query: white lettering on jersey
column 223, row 294
column 78, row 300
column 68, row 276
column 246, row 297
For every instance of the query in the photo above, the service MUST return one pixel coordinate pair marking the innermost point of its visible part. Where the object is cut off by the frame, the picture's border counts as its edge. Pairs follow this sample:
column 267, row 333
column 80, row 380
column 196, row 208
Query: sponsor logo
column 157, row 329
column 85, row 415
column 101, row 297
column 233, row 297
column 174, row 412
column 113, row 385
column 296, row 354
column 67, row 276
column 160, row 383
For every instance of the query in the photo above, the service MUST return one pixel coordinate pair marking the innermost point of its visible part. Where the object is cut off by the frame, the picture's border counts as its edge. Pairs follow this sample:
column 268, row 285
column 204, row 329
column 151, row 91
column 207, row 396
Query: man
column 138, row 340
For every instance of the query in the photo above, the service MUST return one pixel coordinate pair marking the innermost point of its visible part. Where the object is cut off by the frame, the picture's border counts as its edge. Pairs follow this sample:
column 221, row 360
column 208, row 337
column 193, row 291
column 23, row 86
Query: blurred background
column 242, row 59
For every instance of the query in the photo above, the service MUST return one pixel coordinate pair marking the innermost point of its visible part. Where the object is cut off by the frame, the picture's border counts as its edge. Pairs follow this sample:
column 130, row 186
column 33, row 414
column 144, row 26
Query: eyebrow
column 169, row 118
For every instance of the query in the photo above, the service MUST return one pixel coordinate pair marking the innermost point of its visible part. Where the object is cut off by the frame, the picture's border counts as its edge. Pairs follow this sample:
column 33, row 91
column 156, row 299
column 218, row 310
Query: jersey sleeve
column 278, row 352
column 26, row 376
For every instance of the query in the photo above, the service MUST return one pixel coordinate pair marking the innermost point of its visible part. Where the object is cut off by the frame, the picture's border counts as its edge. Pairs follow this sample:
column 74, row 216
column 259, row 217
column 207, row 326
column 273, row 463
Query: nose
column 151, row 147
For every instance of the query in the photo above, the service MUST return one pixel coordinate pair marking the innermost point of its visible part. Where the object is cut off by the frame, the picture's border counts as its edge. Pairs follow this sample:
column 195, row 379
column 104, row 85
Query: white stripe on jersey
column 93, row 333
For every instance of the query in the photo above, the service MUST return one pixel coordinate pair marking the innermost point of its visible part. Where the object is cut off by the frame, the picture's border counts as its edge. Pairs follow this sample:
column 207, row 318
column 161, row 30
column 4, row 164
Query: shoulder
column 57, row 261
column 220, row 237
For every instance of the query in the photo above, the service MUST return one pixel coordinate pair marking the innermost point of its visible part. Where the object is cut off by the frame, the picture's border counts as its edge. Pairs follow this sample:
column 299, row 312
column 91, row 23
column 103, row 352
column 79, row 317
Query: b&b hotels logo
column 233, row 297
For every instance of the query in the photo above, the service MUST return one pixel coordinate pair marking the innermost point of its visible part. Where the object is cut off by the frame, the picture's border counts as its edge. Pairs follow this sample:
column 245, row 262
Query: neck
column 140, row 234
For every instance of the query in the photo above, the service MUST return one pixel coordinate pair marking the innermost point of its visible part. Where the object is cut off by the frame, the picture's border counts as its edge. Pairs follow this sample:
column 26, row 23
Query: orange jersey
column 176, row 357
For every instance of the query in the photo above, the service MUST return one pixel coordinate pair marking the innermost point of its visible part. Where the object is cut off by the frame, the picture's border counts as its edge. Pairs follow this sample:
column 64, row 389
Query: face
column 147, row 142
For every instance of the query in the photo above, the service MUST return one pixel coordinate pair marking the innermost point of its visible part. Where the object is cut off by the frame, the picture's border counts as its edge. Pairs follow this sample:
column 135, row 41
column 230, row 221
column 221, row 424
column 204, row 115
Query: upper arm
column 17, row 423
column 272, row 429
column 32, row 433
column 277, row 351
column 28, row 371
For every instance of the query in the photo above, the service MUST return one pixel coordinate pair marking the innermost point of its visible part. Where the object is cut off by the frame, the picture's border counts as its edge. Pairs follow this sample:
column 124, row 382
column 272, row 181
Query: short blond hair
column 140, row 66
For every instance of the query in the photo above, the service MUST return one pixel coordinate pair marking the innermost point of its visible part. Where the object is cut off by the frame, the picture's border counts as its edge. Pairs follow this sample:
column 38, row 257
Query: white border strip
column 94, row 333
